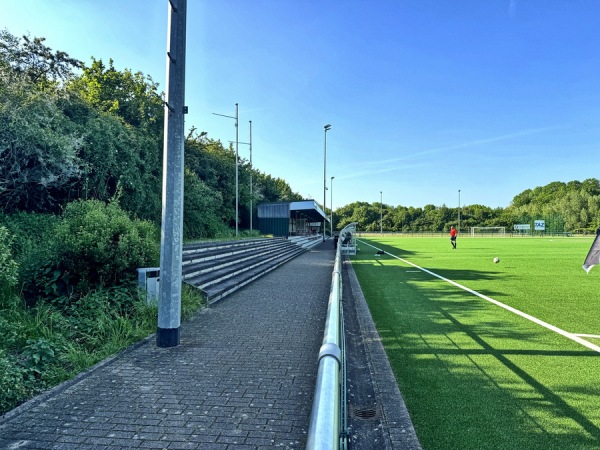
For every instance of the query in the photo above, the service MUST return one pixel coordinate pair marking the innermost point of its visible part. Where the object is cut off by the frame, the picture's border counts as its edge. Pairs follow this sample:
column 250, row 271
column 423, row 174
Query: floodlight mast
column 237, row 194
column 251, row 169
column 169, row 303
column 458, row 228
column 327, row 128
column 249, row 144
column 381, row 213
column 331, row 206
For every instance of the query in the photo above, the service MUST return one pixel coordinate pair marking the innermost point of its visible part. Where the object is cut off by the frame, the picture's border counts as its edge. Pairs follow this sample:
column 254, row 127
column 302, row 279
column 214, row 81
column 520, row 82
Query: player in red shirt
column 453, row 234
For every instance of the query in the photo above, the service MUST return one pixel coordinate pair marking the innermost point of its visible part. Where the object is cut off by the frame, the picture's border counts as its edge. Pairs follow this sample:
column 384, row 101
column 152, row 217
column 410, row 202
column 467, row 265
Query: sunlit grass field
column 474, row 375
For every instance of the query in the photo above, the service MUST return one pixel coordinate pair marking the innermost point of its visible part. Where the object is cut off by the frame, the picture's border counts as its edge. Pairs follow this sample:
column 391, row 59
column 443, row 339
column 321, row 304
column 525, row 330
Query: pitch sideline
column 571, row 336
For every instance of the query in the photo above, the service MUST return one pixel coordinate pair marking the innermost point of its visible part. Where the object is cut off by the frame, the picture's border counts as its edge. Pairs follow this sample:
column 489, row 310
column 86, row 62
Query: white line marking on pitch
column 573, row 337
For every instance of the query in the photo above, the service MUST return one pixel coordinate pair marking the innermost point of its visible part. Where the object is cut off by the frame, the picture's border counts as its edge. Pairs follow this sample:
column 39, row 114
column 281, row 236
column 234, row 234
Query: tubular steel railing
column 328, row 419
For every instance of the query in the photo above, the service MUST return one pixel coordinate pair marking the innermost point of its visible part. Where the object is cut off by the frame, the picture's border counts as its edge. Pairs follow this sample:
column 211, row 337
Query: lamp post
column 458, row 229
column 251, row 206
column 237, row 208
column 331, row 206
column 169, row 303
column 381, row 212
column 250, row 145
column 327, row 128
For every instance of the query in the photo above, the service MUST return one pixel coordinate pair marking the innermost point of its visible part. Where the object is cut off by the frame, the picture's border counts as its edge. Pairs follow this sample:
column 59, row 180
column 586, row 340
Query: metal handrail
column 327, row 428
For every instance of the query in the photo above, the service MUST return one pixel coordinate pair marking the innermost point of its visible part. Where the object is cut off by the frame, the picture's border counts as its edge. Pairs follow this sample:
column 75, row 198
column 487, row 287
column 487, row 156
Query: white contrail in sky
column 512, row 8
column 474, row 143
column 386, row 165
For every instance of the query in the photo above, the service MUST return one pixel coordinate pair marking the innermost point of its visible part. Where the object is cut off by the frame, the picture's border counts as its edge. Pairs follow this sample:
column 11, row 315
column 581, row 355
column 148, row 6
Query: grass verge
column 50, row 343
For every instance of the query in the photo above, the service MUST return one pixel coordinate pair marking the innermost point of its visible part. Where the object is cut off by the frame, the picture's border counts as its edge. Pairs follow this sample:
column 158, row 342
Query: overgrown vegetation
column 68, row 294
column 54, row 321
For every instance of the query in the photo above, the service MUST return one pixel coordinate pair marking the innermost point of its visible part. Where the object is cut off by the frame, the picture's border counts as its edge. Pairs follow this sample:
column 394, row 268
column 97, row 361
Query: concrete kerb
column 398, row 427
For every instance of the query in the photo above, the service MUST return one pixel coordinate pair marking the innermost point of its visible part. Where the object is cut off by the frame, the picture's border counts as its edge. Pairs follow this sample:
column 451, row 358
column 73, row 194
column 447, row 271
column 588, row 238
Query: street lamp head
column 327, row 127
column 332, row 178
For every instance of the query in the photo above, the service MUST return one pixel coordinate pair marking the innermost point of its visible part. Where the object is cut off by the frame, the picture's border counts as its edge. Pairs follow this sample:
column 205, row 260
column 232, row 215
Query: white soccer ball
column 496, row 260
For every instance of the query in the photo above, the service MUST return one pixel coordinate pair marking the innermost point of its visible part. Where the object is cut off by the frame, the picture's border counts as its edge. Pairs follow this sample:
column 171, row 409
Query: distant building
column 303, row 218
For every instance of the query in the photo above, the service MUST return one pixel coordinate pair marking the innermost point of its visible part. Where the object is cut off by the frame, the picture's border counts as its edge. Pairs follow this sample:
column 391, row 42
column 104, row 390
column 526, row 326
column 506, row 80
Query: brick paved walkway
column 243, row 377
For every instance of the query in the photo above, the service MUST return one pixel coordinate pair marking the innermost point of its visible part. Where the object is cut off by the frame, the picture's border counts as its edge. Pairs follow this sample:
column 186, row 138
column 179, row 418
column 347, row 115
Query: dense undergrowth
column 69, row 296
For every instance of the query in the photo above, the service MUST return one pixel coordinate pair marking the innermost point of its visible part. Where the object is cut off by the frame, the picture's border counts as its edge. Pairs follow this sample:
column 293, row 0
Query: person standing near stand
column 453, row 234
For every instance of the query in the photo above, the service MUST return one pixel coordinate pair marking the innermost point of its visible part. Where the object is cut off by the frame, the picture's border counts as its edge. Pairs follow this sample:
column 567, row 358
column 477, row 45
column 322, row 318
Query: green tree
column 38, row 147
column 132, row 96
column 30, row 58
column 201, row 209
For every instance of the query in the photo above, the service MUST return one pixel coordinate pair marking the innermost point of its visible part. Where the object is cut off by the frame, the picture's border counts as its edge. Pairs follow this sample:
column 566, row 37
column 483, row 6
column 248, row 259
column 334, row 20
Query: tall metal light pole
column 237, row 192
column 331, row 206
column 251, row 206
column 250, row 145
column 169, row 303
column 458, row 229
column 327, row 128
column 381, row 213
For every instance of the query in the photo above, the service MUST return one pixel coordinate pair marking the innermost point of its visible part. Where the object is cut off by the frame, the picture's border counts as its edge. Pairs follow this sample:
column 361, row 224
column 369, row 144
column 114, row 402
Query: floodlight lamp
column 327, row 127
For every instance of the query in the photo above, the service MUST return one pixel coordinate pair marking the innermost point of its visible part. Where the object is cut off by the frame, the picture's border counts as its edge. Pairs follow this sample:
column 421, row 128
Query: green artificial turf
column 474, row 375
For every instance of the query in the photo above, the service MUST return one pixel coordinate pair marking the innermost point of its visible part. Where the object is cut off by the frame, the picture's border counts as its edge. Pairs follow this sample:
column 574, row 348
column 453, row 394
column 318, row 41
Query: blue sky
column 425, row 98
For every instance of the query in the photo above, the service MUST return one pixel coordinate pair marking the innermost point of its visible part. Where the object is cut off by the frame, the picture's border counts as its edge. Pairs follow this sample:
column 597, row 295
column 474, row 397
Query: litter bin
column 148, row 280
column 335, row 240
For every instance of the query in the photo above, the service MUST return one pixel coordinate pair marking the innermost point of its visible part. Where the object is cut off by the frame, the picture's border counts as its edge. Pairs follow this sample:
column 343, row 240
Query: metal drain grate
column 365, row 413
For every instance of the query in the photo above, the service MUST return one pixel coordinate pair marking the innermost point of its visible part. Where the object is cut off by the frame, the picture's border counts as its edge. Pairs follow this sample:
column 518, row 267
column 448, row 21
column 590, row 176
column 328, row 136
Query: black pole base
column 167, row 337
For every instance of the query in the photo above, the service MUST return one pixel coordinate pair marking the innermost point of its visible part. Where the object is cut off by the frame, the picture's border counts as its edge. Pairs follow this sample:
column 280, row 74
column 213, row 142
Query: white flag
column 593, row 256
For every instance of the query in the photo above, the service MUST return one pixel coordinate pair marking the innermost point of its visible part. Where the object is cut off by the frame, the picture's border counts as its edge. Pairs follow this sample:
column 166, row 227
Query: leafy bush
column 8, row 267
column 37, row 355
column 12, row 328
column 200, row 205
column 101, row 246
column 30, row 231
column 95, row 245
column 13, row 384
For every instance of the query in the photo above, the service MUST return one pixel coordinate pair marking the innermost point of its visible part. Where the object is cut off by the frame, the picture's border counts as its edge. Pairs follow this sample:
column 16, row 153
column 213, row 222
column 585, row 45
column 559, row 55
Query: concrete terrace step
column 208, row 277
column 209, row 260
column 219, row 245
column 226, row 286
column 219, row 268
column 306, row 241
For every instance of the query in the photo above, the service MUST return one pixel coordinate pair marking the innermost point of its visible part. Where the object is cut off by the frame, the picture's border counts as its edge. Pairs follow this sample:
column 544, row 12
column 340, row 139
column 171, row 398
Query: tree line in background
column 566, row 207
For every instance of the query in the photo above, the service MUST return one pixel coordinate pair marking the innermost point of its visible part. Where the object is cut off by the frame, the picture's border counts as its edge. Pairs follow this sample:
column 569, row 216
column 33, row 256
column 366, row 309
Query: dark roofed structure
column 301, row 218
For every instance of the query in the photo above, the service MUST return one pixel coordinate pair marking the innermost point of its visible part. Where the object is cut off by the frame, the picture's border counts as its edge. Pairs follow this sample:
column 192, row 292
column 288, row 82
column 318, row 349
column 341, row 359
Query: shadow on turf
column 433, row 319
column 425, row 322
column 458, row 276
column 451, row 274
column 547, row 394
